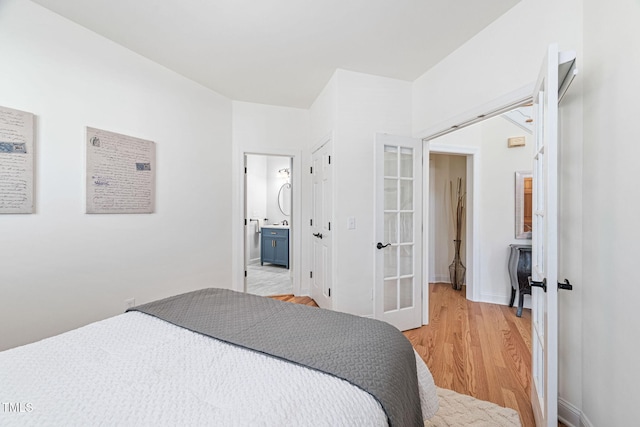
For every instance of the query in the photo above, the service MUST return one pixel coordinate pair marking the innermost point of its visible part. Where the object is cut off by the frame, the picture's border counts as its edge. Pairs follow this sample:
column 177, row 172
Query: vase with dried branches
column 457, row 270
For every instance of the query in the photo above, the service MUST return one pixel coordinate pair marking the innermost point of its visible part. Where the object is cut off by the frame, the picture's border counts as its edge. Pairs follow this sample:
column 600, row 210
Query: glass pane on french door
column 399, row 196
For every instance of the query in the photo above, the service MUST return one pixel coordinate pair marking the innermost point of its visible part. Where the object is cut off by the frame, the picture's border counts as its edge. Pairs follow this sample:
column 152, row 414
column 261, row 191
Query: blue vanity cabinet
column 274, row 247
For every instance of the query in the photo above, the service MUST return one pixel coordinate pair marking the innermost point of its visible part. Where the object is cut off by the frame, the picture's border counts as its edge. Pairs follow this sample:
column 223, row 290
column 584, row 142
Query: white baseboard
column 440, row 279
column 584, row 421
column 504, row 300
column 571, row 415
column 568, row 413
column 495, row 299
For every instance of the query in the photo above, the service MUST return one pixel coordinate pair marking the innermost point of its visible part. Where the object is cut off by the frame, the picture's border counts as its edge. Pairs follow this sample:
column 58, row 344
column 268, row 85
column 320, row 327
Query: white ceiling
column 283, row 52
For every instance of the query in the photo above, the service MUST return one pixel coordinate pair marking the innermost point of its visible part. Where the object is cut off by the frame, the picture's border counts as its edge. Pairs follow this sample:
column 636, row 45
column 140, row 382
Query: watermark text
column 16, row 407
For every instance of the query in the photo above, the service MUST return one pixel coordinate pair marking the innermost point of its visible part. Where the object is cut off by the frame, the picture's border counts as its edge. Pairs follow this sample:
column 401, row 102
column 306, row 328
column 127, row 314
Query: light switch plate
column 351, row 223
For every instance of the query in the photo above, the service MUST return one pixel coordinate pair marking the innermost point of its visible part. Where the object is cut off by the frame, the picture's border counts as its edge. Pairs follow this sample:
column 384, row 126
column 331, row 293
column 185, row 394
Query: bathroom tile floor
column 268, row 279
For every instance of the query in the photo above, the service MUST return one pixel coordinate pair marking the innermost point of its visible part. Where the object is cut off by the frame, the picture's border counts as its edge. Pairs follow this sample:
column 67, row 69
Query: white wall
column 256, row 202
column 62, row 268
column 611, row 293
column 274, row 182
column 502, row 58
column 323, row 113
column 269, row 127
column 497, row 203
column 365, row 105
column 446, row 170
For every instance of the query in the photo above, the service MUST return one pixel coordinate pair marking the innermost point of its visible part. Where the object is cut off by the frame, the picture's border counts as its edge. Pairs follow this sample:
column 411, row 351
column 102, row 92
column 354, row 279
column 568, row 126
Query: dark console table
column 519, row 272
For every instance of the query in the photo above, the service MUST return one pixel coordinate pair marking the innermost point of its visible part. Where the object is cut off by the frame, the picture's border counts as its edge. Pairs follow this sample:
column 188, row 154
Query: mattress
column 135, row 369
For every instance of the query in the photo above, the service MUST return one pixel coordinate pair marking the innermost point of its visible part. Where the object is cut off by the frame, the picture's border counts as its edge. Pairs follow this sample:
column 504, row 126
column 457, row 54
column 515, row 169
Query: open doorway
column 486, row 154
column 448, row 173
column 268, row 209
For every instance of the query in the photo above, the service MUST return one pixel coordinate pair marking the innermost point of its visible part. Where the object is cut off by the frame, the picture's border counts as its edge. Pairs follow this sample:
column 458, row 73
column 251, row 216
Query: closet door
column 321, row 234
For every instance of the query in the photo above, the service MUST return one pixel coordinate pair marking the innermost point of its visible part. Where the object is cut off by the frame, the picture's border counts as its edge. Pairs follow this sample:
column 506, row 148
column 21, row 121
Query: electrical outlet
column 128, row 303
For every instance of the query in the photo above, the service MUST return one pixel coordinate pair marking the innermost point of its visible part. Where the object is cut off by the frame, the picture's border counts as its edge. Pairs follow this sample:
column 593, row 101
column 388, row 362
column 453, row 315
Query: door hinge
column 245, row 273
column 329, row 225
column 329, row 159
column 311, row 275
column 311, row 170
column 311, row 222
column 329, row 292
column 245, row 221
column 245, row 170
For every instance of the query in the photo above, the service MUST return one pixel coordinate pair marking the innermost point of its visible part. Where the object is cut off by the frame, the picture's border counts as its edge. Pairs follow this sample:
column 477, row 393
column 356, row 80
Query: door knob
column 380, row 245
column 318, row 235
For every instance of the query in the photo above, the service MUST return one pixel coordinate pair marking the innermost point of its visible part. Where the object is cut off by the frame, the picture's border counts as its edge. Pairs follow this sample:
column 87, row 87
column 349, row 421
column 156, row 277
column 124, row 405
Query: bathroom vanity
column 274, row 245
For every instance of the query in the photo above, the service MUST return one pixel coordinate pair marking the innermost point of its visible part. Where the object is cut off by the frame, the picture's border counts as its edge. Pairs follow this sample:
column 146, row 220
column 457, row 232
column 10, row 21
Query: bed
column 140, row 369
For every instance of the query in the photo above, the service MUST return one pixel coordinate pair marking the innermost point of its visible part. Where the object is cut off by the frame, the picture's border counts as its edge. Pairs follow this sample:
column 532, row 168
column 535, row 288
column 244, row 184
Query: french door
column 398, row 231
column 556, row 73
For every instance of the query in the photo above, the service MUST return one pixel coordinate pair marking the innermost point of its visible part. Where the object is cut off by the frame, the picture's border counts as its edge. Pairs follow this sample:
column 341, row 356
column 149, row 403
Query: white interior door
column 556, row 73
column 398, row 231
column 322, row 205
column 247, row 226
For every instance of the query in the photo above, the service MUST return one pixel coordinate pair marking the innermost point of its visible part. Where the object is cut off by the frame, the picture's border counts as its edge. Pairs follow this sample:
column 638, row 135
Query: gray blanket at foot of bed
column 369, row 354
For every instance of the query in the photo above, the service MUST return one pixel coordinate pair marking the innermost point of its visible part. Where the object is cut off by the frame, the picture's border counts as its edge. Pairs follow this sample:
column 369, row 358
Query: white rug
column 461, row 410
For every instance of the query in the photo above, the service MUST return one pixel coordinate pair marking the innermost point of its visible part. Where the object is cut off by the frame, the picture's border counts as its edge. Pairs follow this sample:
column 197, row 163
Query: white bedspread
column 134, row 369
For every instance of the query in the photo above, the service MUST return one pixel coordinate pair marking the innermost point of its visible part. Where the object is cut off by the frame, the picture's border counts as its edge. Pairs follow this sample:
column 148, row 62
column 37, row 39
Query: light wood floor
column 298, row 300
column 478, row 349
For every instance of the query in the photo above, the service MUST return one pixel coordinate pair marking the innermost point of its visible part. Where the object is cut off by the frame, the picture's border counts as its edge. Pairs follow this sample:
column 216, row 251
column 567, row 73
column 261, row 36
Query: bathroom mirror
column 284, row 199
column 524, row 204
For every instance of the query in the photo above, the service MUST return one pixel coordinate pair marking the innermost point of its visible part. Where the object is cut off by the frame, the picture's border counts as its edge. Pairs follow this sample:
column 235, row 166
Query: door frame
column 238, row 236
column 477, row 114
column 472, row 226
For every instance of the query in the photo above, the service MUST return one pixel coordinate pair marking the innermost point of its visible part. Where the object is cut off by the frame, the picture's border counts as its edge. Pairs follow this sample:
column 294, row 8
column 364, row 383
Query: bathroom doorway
column 268, row 212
